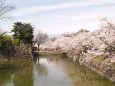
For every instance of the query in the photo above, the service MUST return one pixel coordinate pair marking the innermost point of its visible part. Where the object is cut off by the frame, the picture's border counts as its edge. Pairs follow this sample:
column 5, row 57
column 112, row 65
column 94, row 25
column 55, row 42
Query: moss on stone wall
column 100, row 58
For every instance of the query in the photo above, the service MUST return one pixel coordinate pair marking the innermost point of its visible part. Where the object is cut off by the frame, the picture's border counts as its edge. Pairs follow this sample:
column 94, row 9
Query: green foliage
column 23, row 32
column 15, row 41
column 5, row 42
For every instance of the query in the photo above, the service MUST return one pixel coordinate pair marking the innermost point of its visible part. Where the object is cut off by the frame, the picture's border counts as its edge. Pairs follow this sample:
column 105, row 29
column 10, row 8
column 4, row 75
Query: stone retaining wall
column 24, row 51
column 18, row 52
column 101, row 68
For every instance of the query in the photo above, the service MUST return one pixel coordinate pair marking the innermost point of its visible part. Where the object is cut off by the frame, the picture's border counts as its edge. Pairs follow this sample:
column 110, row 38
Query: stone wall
column 18, row 52
column 1, row 56
column 103, row 69
column 106, row 70
column 23, row 52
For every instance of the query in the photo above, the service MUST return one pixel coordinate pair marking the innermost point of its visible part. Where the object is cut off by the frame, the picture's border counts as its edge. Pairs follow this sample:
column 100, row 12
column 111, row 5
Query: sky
column 60, row 16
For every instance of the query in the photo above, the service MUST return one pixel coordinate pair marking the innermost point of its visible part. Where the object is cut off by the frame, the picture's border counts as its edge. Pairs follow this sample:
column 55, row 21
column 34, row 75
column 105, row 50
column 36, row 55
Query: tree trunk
column 38, row 47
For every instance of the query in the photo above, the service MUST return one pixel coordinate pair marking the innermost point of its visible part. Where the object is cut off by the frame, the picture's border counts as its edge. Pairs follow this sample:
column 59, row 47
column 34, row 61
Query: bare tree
column 66, row 35
column 75, row 33
column 41, row 38
column 53, row 39
column 5, row 9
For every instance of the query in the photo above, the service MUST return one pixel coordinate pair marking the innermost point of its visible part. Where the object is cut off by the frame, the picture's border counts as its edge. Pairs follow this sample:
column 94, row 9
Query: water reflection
column 49, row 71
column 40, row 68
column 16, row 73
column 47, row 74
column 5, row 76
column 79, row 74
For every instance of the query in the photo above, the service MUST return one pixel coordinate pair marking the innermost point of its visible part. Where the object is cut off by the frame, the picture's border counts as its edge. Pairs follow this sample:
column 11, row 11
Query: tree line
column 22, row 32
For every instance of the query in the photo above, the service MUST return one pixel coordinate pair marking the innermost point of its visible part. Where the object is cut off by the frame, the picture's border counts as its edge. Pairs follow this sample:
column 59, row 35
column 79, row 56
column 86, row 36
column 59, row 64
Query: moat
column 49, row 71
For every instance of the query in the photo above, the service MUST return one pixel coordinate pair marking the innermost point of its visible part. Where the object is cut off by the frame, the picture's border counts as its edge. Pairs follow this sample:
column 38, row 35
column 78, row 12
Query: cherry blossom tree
column 41, row 38
column 99, row 42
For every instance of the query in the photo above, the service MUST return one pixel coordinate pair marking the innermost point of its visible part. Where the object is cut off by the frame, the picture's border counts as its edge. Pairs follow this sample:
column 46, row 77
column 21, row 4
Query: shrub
column 5, row 42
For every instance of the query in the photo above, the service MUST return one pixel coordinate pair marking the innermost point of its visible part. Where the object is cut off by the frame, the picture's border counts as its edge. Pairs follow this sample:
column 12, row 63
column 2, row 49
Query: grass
column 113, row 64
column 100, row 58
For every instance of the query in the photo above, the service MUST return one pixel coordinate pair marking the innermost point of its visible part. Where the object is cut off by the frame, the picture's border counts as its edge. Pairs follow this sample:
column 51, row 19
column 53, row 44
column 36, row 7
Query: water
column 49, row 71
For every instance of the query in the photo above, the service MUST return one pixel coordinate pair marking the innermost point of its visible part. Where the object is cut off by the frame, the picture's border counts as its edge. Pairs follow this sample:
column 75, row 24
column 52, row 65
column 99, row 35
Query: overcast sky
column 60, row 16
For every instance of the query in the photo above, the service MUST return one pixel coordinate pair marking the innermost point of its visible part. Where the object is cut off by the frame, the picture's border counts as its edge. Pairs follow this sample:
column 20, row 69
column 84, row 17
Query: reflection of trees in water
column 80, row 75
column 21, row 72
column 5, row 76
column 52, row 59
column 37, row 61
column 24, row 77
column 55, row 58
column 41, row 69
